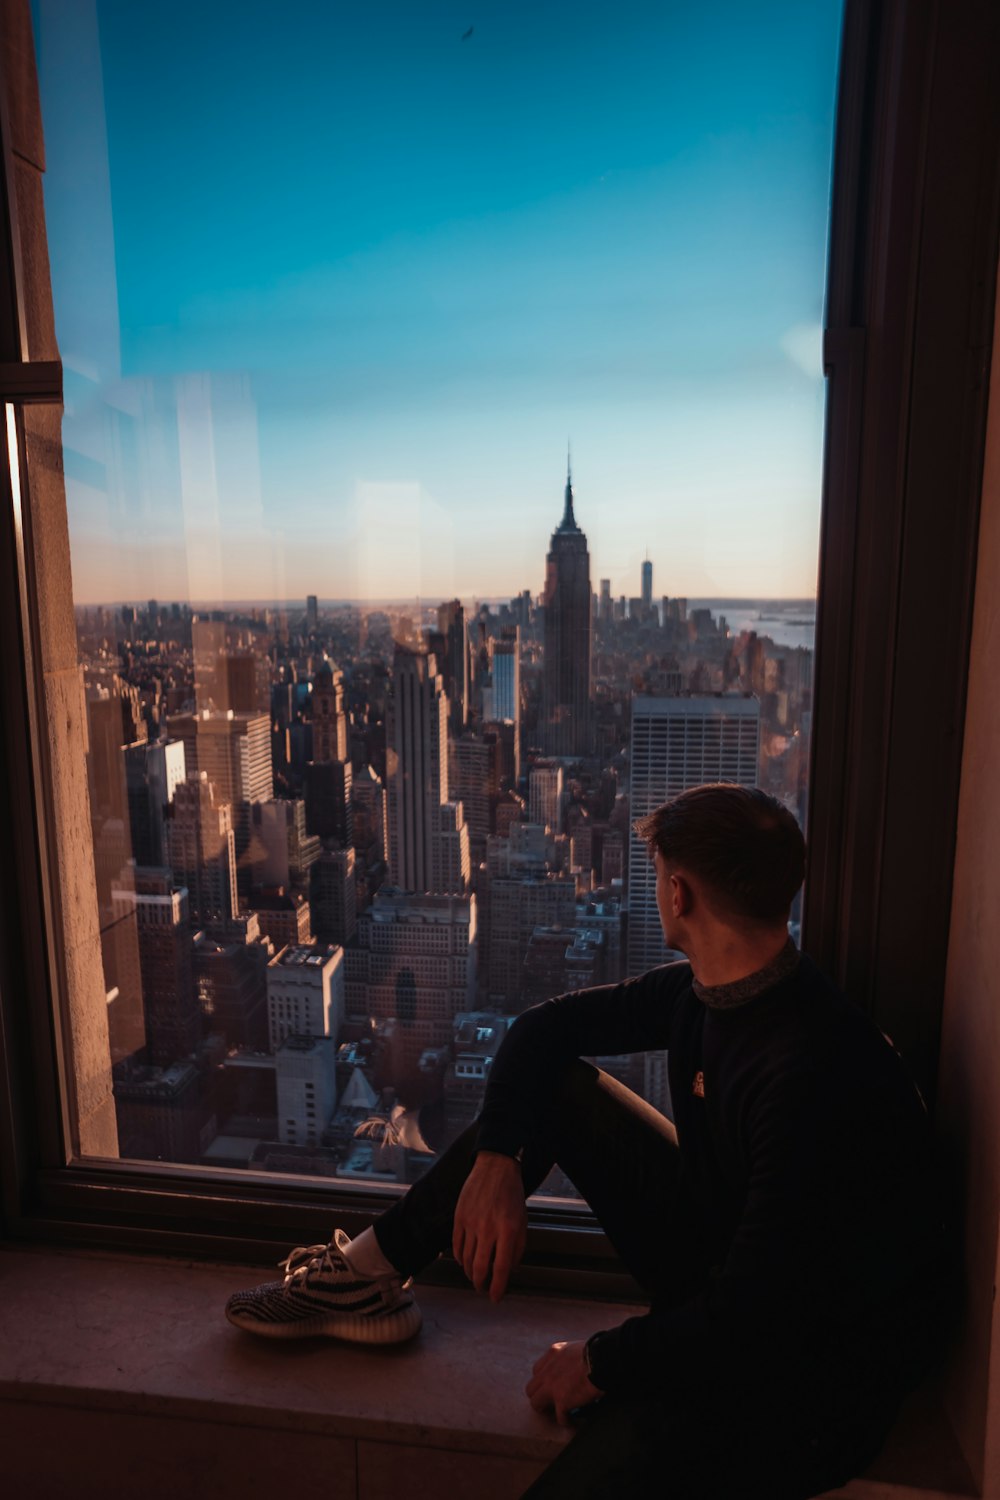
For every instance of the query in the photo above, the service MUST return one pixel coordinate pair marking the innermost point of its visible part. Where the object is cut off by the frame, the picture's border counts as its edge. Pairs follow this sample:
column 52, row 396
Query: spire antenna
column 568, row 522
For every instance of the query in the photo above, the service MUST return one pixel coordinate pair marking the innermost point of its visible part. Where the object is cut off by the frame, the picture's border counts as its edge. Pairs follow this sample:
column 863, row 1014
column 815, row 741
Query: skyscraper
column 284, row 917
column 545, row 795
column 201, row 851
column 518, row 904
column 506, row 671
column 328, row 774
column 428, row 845
column 452, row 648
column 152, row 774
column 328, row 787
column 679, row 743
column 237, row 682
column 498, row 693
column 305, row 993
column 566, row 717
column 505, row 740
column 161, row 1113
column 282, row 849
column 470, row 763
column 414, row 963
column 328, row 717
column 333, row 896
column 305, row 1068
column 231, row 985
column 234, row 749
column 159, row 908
column 369, row 815
column 647, row 586
column 114, row 719
column 451, row 869
column 558, row 960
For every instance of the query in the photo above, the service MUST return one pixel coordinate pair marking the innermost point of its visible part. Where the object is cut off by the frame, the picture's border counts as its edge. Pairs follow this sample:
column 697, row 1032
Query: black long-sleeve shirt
column 805, row 1173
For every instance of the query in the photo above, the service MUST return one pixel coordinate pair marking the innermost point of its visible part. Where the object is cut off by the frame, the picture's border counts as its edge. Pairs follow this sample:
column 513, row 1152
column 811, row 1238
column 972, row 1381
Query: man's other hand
column 559, row 1381
column 491, row 1222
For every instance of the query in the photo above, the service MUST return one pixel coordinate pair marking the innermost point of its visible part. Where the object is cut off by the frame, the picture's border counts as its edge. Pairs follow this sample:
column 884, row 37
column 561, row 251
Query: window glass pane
column 442, row 444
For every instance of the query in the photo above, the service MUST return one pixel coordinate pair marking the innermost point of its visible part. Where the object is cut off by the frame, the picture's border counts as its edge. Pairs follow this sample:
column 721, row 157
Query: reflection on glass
column 374, row 691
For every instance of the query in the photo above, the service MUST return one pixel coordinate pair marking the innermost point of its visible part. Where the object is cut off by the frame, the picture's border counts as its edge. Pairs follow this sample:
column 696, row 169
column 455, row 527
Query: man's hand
column 491, row 1222
column 559, row 1381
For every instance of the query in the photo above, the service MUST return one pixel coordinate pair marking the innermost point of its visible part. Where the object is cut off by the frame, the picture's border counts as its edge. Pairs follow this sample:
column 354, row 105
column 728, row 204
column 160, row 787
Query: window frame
column 915, row 225
column 888, row 180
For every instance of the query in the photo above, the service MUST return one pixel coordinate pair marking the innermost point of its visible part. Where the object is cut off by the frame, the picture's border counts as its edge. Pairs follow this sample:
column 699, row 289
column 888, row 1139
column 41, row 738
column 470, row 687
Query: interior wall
column 969, row 1096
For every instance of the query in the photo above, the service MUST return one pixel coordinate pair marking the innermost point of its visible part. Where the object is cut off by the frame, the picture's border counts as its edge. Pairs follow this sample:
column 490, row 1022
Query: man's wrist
column 589, row 1353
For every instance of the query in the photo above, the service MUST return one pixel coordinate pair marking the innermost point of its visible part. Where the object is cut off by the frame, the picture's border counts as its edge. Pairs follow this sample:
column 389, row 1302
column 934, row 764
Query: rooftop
column 392, row 905
column 309, row 955
column 299, row 1043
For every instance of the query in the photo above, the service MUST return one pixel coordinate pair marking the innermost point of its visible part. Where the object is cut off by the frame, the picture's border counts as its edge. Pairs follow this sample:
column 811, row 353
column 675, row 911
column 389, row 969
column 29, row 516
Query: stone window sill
column 120, row 1377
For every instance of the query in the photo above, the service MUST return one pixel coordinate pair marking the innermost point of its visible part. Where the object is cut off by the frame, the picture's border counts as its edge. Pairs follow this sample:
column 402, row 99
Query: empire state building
column 566, row 712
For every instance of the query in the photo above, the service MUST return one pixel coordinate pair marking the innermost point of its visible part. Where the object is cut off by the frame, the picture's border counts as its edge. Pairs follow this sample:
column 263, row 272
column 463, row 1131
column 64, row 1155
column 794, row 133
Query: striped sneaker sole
column 393, row 1326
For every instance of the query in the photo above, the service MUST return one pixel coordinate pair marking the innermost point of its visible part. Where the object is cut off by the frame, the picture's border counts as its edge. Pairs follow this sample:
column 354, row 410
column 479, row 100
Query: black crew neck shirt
column 805, row 1180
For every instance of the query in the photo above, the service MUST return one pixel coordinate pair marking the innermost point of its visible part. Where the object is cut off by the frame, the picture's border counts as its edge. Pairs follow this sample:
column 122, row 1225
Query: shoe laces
column 307, row 1261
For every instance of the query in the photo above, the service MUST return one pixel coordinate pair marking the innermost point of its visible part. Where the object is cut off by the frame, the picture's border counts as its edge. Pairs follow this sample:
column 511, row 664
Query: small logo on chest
column 698, row 1087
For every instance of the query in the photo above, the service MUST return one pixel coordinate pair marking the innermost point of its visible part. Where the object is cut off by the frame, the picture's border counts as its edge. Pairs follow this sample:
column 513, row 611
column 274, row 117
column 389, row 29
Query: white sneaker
column 322, row 1296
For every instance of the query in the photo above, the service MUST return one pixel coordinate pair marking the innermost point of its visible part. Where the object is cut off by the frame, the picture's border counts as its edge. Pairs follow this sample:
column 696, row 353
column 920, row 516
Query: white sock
column 365, row 1257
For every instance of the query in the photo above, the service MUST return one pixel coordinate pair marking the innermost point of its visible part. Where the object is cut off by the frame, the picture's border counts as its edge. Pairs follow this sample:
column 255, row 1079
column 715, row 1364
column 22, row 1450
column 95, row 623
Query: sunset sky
column 334, row 287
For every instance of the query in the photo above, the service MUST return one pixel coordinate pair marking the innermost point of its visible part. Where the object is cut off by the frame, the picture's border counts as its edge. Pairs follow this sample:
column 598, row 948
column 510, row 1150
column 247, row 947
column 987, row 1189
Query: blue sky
column 333, row 288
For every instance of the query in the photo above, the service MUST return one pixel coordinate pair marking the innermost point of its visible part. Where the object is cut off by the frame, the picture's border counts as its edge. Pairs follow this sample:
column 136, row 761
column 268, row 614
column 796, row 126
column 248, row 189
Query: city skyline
column 426, row 601
column 438, row 805
column 415, row 818
column 790, row 622
column 635, row 257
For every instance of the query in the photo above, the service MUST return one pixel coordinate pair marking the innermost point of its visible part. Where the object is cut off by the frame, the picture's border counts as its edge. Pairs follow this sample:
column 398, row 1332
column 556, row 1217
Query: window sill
column 111, row 1364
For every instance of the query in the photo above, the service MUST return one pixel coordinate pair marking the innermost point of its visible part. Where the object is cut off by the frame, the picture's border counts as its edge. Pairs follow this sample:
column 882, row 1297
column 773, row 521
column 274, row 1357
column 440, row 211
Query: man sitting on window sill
column 784, row 1226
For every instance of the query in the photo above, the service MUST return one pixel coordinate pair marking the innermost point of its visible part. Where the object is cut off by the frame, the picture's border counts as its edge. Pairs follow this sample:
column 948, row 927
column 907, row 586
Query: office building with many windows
column 201, row 850
column 305, row 1069
column 678, row 743
column 415, row 962
column 305, row 993
column 234, row 751
column 428, row 840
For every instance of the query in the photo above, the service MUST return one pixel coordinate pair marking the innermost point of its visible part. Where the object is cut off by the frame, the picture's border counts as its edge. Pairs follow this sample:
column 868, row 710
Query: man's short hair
column 745, row 848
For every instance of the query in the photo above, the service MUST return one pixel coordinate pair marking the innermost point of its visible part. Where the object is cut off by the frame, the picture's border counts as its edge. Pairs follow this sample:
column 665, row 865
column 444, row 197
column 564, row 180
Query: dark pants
column 720, row 1444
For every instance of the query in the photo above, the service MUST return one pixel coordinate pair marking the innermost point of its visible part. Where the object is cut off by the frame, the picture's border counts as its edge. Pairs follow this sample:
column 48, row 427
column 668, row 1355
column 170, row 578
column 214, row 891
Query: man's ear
column 681, row 896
